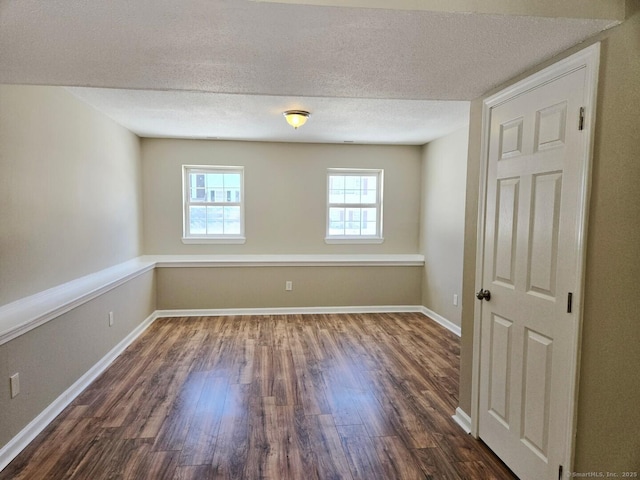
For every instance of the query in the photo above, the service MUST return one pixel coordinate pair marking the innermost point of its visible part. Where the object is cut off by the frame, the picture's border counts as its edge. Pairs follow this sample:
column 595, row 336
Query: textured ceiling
column 258, row 117
column 227, row 68
column 606, row 9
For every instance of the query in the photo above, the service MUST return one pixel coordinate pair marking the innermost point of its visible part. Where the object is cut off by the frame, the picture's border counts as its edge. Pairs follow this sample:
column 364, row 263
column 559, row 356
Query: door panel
column 543, row 234
column 536, row 392
column 500, row 370
column 535, row 165
column 507, row 221
column 511, row 139
column 551, row 124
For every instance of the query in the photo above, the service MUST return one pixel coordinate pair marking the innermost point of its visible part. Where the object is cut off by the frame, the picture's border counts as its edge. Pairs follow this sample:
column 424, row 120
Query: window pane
column 369, row 182
column 336, row 214
column 369, row 193
column 232, row 180
column 336, row 182
column 215, row 180
column 232, row 220
column 352, row 182
column 352, row 196
column 198, row 180
column 214, row 195
column 352, row 221
column 196, row 188
column 336, row 221
column 198, row 195
column 368, row 221
column 231, row 188
column 197, row 220
column 336, row 189
column 230, row 195
column 336, row 196
column 215, row 220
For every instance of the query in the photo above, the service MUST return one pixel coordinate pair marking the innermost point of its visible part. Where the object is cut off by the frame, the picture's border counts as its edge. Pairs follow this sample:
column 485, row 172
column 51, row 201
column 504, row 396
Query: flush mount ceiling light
column 296, row 118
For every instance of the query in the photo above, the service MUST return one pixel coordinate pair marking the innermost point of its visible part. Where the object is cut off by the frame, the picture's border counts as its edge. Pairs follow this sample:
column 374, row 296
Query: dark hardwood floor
column 361, row 396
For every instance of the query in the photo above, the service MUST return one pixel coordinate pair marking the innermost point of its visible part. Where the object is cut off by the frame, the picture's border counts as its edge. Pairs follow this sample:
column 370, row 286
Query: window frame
column 231, row 238
column 356, row 239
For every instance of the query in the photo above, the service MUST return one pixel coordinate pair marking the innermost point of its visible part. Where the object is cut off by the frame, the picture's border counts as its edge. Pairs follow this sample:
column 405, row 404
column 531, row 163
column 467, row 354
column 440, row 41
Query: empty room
column 319, row 239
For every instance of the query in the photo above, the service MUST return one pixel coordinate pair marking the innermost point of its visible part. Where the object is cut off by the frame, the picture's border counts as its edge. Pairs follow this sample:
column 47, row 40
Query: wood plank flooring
column 312, row 397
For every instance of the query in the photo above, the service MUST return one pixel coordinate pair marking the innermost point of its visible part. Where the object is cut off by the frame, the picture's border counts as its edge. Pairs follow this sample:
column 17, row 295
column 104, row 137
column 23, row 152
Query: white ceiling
column 228, row 68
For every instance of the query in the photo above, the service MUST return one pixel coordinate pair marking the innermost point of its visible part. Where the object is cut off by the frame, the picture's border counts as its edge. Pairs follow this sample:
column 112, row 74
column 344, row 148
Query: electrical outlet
column 455, row 299
column 111, row 319
column 14, row 381
column 288, row 286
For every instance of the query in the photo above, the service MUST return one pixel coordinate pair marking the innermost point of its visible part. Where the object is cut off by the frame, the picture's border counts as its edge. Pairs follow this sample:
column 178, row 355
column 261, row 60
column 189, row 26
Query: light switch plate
column 15, row 384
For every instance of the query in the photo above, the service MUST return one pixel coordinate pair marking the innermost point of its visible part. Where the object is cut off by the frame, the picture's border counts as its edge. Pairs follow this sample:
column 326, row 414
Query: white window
column 213, row 204
column 354, row 211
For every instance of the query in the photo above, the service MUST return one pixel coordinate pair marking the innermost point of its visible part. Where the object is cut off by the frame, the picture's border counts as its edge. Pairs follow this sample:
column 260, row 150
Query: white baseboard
column 449, row 325
column 288, row 311
column 38, row 424
column 462, row 419
column 220, row 312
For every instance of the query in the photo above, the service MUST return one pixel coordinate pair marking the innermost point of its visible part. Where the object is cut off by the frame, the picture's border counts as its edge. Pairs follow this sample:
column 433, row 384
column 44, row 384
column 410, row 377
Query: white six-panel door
column 533, row 211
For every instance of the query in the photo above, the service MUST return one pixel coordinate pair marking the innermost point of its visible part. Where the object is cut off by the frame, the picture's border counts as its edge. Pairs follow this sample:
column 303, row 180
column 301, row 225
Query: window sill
column 322, row 260
column 353, row 240
column 214, row 240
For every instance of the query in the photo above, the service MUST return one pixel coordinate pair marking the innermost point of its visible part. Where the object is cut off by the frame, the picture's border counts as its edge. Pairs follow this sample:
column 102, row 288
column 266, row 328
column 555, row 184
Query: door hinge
column 569, row 302
column 581, row 120
column 560, row 472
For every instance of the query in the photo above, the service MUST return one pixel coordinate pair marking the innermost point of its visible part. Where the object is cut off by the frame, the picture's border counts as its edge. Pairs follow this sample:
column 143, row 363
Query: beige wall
column 53, row 356
column 444, row 168
column 69, row 190
column 285, row 194
column 285, row 208
column 263, row 287
column 70, row 205
column 608, row 415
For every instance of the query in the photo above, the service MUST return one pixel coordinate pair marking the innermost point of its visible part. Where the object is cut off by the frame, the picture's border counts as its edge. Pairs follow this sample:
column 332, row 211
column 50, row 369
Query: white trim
column 38, row 424
column 220, row 239
column 352, row 240
column 448, row 324
column 462, row 419
column 230, row 240
column 223, row 312
column 379, row 205
column 589, row 59
column 477, row 310
column 19, row 317
column 402, row 260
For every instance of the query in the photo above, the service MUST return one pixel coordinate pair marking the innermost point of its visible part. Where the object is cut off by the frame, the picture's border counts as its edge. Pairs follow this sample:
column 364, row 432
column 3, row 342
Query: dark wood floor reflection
column 362, row 396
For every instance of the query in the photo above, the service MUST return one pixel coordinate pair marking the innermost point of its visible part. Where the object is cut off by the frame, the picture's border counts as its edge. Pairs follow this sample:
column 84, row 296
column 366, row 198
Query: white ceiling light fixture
column 296, row 118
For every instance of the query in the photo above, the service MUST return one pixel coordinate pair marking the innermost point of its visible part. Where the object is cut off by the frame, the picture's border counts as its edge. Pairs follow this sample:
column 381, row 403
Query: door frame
column 589, row 59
